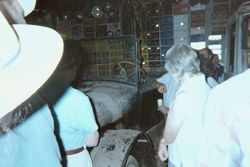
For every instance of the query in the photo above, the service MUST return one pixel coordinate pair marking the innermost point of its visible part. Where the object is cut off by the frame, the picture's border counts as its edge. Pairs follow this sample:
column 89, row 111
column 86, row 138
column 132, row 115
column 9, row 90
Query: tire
column 131, row 162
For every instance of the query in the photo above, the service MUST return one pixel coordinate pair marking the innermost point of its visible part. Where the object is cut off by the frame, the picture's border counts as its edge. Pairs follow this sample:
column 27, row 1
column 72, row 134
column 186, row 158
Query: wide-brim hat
column 28, row 6
column 29, row 55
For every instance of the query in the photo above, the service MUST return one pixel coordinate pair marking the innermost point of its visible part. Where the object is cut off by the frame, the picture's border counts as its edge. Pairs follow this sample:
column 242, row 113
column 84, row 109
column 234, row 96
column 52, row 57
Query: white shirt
column 191, row 98
column 227, row 123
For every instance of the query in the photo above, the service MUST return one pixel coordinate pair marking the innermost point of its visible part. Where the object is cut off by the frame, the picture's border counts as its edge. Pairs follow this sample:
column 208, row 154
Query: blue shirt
column 76, row 118
column 172, row 87
column 32, row 143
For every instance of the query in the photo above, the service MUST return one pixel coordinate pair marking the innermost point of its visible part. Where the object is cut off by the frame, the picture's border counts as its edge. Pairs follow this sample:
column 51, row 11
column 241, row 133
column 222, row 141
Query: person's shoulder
column 235, row 81
column 76, row 92
column 234, row 86
column 164, row 77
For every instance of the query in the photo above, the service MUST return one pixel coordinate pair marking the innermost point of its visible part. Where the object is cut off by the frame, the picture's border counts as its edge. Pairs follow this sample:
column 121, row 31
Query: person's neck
column 185, row 77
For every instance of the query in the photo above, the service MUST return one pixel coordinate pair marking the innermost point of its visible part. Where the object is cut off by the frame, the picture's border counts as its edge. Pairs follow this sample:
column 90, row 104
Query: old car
column 112, row 77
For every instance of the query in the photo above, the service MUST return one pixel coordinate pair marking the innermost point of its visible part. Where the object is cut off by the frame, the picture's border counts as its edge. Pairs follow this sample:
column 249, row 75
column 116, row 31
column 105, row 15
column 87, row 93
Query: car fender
column 116, row 146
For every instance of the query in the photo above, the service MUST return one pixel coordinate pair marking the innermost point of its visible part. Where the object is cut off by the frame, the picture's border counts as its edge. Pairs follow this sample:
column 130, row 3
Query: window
column 246, row 40
column 215, row 44
column 198, row 45
column 216, row 49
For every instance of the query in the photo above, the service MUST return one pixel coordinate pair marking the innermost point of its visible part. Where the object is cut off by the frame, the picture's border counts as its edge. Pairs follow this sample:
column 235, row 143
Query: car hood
column 111, row 100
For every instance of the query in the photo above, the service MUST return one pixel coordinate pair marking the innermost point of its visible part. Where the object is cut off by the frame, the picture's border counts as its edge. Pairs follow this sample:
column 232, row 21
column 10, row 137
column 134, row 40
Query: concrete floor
column 156, row 133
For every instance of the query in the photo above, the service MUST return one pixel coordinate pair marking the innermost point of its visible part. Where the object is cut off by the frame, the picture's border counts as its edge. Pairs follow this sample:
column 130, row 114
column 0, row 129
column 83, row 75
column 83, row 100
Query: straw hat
column 28, row 6
column 29, row 55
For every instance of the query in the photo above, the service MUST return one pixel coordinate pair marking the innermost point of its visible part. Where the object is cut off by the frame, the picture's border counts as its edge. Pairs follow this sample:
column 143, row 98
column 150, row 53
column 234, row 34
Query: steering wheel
column 126, row 70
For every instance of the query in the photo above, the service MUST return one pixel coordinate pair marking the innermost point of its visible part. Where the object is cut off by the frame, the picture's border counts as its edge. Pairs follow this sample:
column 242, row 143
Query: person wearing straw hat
column 29, row 55
column 15, row 10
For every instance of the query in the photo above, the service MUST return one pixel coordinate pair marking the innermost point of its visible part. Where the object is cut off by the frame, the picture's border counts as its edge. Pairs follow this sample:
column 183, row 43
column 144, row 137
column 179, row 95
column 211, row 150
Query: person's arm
column 162, row 150
column 159, row 86
column 163, row 109
column 175, row 120
column 85, row 120
column 176, row 117
column 155, row 84
column 93, row 139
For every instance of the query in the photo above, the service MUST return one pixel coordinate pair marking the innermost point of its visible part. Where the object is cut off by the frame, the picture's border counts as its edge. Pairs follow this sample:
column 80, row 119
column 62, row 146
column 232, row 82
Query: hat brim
column 39, row 53
column 28, row 6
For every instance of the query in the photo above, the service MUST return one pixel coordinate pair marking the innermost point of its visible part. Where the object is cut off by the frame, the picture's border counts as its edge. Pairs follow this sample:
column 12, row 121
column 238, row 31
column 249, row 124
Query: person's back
column 192, row 97
column 76, row 120
column 76, row 125
column 32, row 142
column 26, row 126
column 226, row 142
column 183, row 127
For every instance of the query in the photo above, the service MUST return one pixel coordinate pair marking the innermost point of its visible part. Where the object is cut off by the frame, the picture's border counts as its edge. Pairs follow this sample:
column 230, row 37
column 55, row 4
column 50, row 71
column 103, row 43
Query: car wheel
column 131, row 162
